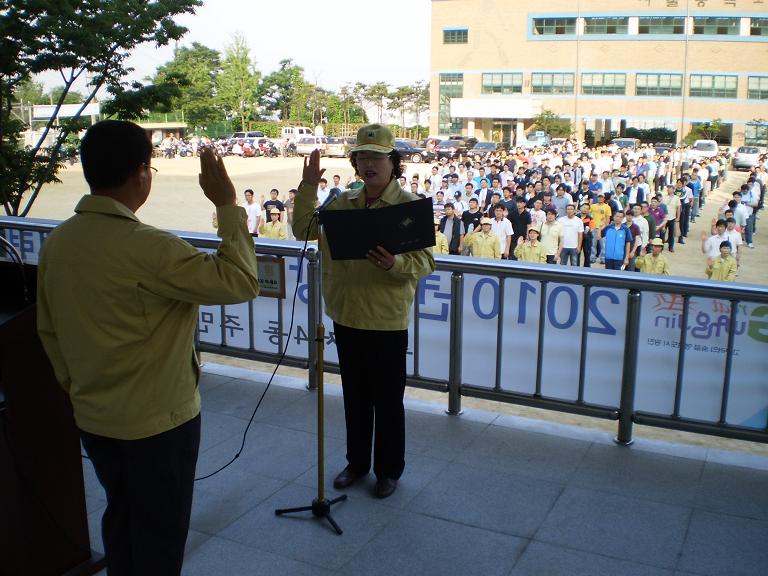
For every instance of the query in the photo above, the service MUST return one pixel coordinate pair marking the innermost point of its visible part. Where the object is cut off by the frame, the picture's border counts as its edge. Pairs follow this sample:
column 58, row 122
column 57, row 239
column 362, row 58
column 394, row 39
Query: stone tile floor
column 483, row 494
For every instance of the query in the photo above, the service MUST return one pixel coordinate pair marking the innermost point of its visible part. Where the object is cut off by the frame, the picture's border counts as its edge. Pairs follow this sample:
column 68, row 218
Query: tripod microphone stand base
column 319, row 508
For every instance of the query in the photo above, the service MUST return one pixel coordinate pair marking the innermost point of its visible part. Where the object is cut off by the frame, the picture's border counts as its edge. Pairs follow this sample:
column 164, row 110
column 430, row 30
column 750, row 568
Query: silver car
column 337, row 147
column 306, row 144
column 746, row 157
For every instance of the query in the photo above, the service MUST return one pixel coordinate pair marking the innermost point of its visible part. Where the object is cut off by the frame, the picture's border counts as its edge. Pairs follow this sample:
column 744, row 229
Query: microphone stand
column 321, row 506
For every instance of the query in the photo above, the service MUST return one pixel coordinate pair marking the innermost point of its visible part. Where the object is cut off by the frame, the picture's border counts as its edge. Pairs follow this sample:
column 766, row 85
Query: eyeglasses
column 154, row 170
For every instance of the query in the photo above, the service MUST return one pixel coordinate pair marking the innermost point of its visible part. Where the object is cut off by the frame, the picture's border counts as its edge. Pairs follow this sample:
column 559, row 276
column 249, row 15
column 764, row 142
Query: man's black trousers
column 148, row 483
column 372, row 365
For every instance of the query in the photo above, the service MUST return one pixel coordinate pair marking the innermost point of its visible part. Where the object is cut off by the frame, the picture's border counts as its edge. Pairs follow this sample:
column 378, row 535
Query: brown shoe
column 385, row 487
column 346, row 478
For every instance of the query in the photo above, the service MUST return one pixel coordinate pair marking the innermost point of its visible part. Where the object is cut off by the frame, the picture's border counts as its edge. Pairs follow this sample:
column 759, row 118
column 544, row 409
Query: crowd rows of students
column 568, row 205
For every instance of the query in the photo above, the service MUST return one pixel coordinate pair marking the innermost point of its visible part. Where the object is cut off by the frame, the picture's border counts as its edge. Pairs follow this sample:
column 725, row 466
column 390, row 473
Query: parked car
column 746, row 157
column 293, row 133
column 536, row 139
column 306, row 144
column 631, row 143
column 450, row 148
column 240, row 136
column 662, row 147
column 469, row 141
column 703, row 149
column 558, row 141
column 411, row 151
column 483, row 149
column 337, row 147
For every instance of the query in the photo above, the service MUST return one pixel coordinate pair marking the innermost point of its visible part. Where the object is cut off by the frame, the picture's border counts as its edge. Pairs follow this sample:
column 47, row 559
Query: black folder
column 399, row 228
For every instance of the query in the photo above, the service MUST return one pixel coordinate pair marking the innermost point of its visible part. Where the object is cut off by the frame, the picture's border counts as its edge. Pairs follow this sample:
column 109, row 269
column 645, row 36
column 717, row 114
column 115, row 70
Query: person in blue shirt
column 618, row 242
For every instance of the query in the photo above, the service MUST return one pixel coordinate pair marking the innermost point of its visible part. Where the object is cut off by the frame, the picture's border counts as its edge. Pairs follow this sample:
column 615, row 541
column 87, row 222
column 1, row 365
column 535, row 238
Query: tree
column 278, row 89
column 549, row 122
column 705, row 131
column 76, row 38
column 419, row 100
column 30, row 92
column 67, row 96
column 376, row 94
column 400, row 99
column 199, row 67
column 238, row 82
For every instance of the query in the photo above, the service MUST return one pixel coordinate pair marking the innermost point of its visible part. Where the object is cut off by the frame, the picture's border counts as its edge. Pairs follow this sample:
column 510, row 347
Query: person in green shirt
column 117, row 309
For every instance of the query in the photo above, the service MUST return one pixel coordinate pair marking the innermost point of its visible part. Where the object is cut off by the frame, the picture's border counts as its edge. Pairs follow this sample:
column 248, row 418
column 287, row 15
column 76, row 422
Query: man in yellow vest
column 441, row 242
column 484, row 243
column 273, row 229
column 653, row 263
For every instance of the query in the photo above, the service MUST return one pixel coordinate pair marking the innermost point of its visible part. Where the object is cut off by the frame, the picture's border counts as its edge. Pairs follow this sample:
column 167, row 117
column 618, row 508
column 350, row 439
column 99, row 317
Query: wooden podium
column 44, row 526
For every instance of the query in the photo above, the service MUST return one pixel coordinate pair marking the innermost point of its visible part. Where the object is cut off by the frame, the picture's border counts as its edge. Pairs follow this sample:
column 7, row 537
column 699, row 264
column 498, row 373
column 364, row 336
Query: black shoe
column 346, row 478
column 681, row 241
column 385, row 487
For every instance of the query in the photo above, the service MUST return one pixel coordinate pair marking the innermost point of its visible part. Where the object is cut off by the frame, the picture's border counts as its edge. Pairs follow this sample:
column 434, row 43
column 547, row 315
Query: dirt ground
column 177, row 203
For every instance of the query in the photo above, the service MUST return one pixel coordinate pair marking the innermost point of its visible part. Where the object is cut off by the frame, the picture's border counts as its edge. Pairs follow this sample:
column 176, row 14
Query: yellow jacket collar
column 104, row 205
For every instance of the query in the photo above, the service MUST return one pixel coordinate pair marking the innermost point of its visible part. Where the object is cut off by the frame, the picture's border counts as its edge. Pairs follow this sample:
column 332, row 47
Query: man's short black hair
column 111, row 151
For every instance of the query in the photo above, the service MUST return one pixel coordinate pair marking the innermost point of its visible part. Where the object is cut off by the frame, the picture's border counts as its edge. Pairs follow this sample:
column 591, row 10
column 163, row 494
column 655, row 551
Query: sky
column 335, row 41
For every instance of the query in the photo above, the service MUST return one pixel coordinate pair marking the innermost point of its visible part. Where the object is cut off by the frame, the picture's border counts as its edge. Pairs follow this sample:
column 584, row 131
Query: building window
column 661, row 25
column 607, row 84
column 502, row 83
column 551, row 83
column 757, row 88
column 659, row 85
column 456, row 36
column 451, row 86
column 716, row 26
column 614, row 25
column 554, row 26
column 710, row 86
column 758, row 27
column 756, row 134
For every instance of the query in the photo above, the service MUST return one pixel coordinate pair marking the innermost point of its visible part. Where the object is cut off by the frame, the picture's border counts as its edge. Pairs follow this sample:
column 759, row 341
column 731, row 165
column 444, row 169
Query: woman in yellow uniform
column 369, row 301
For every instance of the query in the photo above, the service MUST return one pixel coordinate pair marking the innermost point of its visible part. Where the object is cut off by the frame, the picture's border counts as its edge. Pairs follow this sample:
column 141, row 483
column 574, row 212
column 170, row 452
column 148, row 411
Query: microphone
column 332, row 196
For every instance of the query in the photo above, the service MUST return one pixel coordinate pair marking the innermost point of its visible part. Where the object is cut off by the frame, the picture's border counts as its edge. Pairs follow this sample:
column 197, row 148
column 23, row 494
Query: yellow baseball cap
column 274, row 211
column 374, row 138
column 657, row 242
column 486, row 221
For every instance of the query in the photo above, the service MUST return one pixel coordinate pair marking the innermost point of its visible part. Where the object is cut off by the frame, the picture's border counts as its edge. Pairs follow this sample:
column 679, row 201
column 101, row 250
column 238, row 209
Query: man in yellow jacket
column 441, row 242
column 369, row 301
column 530, row 250
column 654, row 263
column 117, row 309
column 483, row 243
column 273, row 229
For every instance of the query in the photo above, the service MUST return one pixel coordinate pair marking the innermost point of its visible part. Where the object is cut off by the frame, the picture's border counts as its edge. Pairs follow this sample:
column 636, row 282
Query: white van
column 293, row 133
column 703, row 149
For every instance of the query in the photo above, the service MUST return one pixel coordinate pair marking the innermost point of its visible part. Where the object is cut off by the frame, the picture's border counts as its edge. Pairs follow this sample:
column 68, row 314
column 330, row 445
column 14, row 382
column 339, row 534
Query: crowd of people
column 570, row 205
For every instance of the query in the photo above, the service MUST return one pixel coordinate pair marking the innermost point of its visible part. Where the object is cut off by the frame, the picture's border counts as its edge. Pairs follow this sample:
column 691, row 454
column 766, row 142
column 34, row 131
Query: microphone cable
column 314, row 217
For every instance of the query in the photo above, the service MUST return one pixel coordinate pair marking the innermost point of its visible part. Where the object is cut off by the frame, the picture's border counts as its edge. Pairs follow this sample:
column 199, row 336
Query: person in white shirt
column 573, row 234
column 642, row 224
column 503, row 230
column 710, row 244
column 253, row 210
column 322, row 191
column 538, row 216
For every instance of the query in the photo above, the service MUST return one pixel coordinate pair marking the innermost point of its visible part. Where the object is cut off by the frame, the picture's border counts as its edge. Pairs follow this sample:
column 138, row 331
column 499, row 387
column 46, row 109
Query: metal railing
column 552, row 285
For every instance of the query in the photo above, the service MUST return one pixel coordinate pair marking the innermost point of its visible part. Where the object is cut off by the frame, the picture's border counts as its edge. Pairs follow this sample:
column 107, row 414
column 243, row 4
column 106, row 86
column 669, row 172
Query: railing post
column 314, row 312
column 454, row 366
column 629, row 372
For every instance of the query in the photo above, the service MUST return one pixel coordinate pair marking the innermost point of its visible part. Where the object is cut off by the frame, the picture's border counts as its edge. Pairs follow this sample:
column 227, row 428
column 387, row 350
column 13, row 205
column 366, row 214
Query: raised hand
column 214, row 180
column 312, row 172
